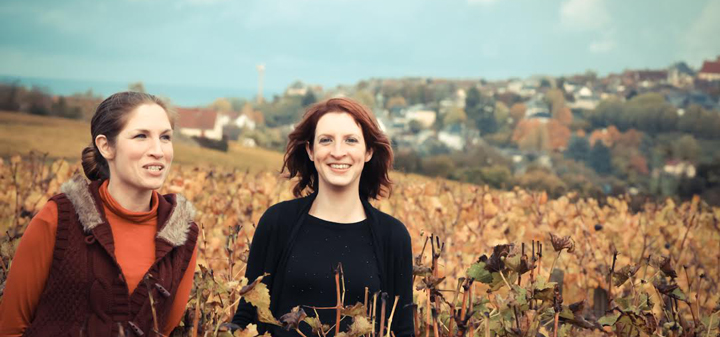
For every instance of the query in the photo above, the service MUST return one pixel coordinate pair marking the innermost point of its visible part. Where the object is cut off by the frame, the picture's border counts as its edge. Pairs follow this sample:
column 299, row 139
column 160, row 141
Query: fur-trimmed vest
column 86, row 293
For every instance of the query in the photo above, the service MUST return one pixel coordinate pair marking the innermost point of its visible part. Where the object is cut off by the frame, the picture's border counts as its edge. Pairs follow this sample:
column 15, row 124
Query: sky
column 219, row 43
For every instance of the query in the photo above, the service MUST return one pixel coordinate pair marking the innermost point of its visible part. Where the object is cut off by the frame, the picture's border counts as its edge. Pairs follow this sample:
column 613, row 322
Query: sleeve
column 260, row 250
column 182, row 295
column 403, row 324
column 29, row 271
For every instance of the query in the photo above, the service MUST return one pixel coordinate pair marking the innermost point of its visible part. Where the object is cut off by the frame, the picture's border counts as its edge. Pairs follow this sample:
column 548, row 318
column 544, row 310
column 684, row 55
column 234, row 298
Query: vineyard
column 488, row 262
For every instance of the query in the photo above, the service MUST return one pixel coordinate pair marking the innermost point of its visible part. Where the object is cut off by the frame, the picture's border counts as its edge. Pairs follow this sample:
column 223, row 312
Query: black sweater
column 277, row 232
column 309, row 280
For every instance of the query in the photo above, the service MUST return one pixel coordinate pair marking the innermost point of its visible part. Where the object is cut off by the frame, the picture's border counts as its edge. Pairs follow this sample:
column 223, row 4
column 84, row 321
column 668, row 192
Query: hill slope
column 65, row 138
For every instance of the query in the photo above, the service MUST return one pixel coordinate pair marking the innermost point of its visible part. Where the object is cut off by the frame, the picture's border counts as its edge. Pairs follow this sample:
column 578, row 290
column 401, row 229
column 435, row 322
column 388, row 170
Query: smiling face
column 141, row 156
column 338, row 152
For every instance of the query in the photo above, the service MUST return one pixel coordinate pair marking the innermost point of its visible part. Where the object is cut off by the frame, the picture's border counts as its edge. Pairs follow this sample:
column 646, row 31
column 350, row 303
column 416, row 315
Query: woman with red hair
column 342, row 160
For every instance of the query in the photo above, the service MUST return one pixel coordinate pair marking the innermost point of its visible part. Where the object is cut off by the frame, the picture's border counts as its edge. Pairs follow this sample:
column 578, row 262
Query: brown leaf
column 560, row 243
column 622, row 275
column 292, row 319
column 354, row 310
column 665, row 265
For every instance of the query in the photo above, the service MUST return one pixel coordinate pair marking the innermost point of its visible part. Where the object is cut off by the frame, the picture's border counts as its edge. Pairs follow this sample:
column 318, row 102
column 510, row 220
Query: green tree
column 308, row 99
column 600, row 158
column 687, row 148
column 578, row 149
column 481, row 111
column 438, row 166
column 415, row 126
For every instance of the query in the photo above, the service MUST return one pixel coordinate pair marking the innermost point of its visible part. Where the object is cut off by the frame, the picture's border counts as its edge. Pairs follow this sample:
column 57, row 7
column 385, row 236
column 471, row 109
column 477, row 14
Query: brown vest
column 86, row 293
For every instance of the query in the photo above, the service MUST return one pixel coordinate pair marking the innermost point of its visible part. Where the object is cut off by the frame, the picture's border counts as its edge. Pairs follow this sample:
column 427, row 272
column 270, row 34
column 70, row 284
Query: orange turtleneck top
column 134, row 237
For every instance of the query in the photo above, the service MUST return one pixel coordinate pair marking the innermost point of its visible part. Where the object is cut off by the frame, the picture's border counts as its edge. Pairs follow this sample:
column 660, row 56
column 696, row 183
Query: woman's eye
column 324, row 140
column 352, row 140
column 166, row 137
column 140, row 136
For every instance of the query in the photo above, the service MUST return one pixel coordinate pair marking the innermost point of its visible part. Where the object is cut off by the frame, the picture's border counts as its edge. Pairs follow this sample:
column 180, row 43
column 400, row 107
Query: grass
column 66, row 138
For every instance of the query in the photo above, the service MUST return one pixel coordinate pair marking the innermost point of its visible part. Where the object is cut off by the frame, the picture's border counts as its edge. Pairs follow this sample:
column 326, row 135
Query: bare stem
column 392, row 313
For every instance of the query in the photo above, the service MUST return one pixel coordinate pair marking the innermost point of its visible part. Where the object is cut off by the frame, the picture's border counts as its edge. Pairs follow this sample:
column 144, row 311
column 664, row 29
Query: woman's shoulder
column 288, row 208
column 390, row 225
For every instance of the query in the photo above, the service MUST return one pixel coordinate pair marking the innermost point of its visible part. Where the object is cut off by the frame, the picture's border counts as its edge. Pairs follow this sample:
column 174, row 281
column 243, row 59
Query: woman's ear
column 309, row 151
column 103, row 145
column 368, row 155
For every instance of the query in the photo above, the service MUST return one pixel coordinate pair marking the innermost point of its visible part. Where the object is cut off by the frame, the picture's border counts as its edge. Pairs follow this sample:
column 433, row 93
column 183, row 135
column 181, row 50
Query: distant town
column 642, row 134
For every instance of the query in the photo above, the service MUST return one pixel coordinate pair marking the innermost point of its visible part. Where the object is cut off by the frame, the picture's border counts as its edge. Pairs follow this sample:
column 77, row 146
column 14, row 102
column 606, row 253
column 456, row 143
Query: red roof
column 197, row 118
column 711, row 67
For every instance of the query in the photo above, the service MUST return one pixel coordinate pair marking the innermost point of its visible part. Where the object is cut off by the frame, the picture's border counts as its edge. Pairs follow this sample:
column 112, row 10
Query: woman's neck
column 130, row 199
column 338, row 206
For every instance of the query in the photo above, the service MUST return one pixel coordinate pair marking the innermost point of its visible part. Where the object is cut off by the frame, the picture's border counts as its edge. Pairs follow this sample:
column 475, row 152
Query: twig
column 196, row 319
column 338, row 307
column 383, row 301
column 374, row 311
column 392, row 312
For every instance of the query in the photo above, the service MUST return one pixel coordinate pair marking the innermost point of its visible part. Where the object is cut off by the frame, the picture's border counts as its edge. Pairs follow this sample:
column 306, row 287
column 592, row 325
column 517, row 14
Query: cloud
column 584, row 15
column 604, row 45
column 591, row 18
column 700, row 42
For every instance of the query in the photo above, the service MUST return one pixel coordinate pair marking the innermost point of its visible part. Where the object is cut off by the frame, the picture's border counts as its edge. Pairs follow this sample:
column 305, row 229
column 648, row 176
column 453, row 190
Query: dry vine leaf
column 258, row 295
column 560, row 243
column 249, row 331
column 360, row 326
column 292, row 319
column 354, row 310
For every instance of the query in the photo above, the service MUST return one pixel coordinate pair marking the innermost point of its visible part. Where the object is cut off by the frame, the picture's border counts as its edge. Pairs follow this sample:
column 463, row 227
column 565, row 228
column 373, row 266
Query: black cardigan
column 274, row 238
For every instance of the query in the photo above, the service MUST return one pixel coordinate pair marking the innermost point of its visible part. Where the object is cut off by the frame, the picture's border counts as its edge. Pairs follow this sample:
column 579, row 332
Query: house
column 199, row 122
column 297, row 88
column 242, row 121
column 452, row 137
column 680, row 75
column 537, row 108
column 646, row 78
column 421, row 114
column 679, row 168
column 585, row 99
column 710, row 71
column 682, row 100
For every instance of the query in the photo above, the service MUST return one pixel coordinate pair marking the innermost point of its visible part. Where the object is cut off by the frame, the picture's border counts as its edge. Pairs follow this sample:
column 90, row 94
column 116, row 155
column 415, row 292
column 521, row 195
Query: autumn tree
column 532, row 135
column 221, row 104
column 365, row 98
column 396, row 102
column 454, row 115
column 137, row 87
column 517, row 112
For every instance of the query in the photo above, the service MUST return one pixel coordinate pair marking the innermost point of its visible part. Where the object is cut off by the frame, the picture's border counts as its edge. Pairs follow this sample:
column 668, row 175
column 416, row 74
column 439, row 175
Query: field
column 65, row 138
column 488, row 262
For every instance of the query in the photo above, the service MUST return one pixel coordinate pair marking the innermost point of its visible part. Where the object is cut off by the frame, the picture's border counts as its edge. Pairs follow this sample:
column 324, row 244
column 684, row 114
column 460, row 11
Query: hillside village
column 644, row 132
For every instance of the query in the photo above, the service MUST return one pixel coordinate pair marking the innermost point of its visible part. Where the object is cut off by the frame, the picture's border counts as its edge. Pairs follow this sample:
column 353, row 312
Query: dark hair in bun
column 109, row 119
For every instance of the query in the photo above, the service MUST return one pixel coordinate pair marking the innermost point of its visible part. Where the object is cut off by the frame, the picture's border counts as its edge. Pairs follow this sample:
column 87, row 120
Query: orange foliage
column 564, row 116
column 559, row 134
column 639, row 163
column 532, row 134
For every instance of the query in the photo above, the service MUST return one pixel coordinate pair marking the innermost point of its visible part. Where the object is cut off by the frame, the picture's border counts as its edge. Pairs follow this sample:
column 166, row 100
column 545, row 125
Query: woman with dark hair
column 110, row 257
column 340, row 157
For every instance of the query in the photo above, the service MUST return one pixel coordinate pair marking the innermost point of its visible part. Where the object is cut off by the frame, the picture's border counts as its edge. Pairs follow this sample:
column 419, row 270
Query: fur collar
column 174, row 232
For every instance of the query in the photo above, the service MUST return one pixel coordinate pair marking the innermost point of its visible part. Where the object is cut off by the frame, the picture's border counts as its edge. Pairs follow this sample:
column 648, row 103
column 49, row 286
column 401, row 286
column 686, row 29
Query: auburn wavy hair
column 375, row 178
